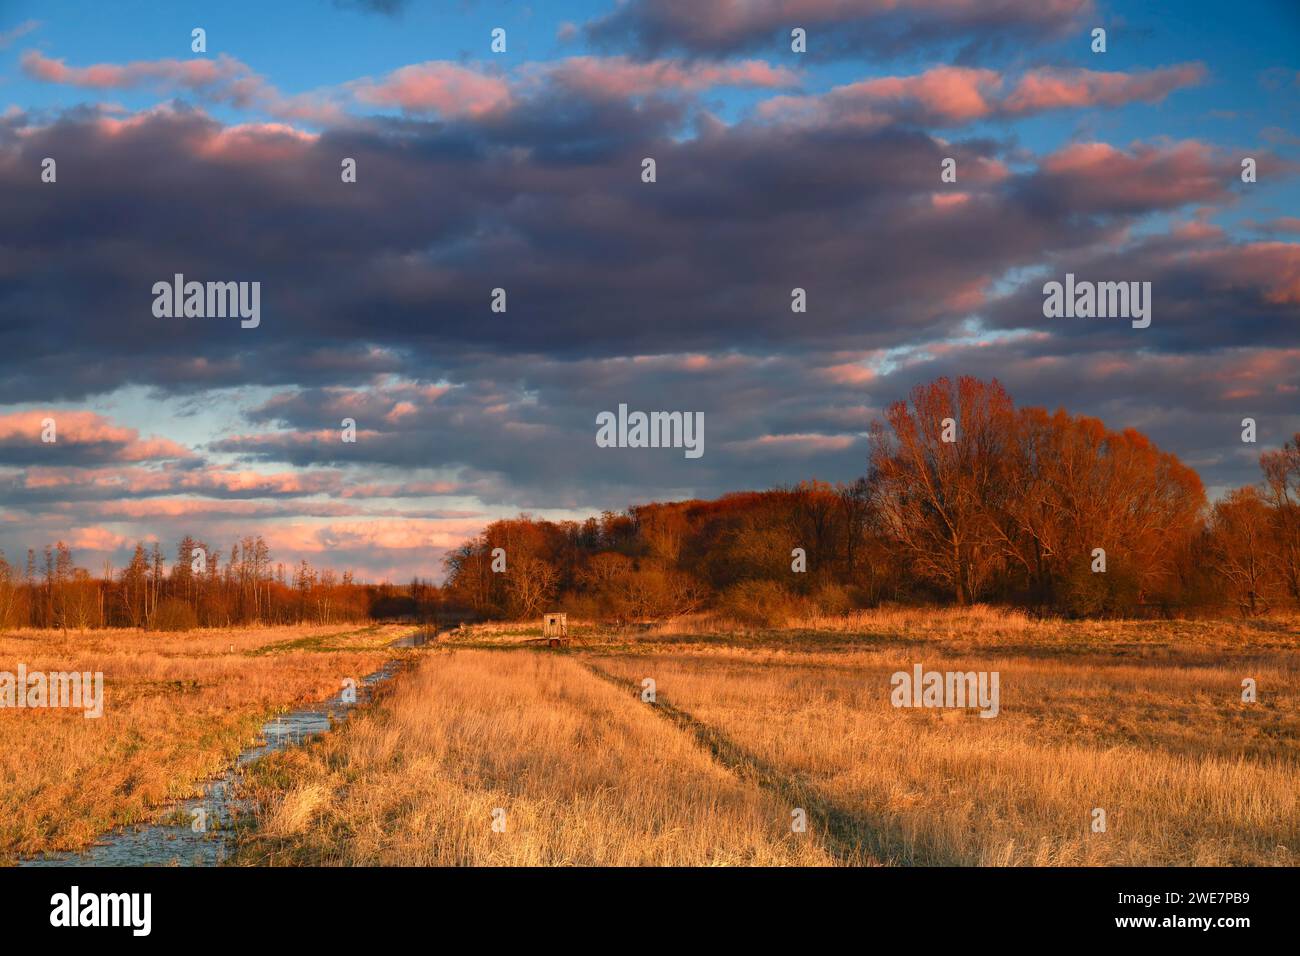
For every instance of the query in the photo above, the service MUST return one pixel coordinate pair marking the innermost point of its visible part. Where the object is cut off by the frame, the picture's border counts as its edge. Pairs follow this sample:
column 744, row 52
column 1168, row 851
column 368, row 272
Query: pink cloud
column 1272, row 269
column 208, row 508
column 948, row 200
column 210, row 479
column 1261, row 367
column 968, row 297
column 248, row 481
column 956, row 95
column 439, row 87
column 81, row 428
column 1098, row 175
column 252, row 143
column 1051, row 88
column 213, row 480
column 945, row 95
column 849, row 373
column 399, row 411
column 620, row 76
column 223, row 76
column 222, row 79
column 1287, row 224
column 793, row 444
column 96, row 539
column 456, row 91
column 406, row 489
column 375, row 535
column 950, row 94
column 1196, row 231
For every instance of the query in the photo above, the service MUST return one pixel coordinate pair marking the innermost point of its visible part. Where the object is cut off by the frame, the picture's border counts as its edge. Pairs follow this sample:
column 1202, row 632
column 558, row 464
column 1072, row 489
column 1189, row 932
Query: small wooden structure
column 555, row 628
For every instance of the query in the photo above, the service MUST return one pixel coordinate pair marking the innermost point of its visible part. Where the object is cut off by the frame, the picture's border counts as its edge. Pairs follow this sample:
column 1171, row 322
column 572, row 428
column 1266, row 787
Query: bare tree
column 1240, row 535
column 1282, row 481
column 938, row 499
column 530, row 582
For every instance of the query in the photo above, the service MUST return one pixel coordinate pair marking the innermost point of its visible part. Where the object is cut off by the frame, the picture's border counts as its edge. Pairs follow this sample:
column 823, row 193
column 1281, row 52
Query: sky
column 522, row 170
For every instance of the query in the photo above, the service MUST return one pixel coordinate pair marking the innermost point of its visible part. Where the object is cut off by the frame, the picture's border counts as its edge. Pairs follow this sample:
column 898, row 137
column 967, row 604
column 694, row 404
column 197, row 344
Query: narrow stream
column 186, row 843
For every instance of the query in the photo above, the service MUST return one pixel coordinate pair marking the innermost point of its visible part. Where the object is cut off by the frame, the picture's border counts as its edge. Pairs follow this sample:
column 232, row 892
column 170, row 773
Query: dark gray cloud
column 388, row 8
column 835, row 29
column 1207, row 295
column 524, row 426
column 389, row 280
column 396, row 271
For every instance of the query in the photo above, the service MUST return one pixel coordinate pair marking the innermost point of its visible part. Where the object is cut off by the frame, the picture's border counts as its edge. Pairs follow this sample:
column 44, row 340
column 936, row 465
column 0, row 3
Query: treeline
column 966, row 498
column 198, row 589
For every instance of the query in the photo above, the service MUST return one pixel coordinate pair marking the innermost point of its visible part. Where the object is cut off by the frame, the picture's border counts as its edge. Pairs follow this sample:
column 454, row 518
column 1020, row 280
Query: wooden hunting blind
column 555, row 628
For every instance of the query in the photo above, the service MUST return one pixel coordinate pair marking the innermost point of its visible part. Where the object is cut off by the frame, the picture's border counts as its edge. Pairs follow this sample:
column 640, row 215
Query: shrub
column 1083, row 593
column 174, row 614
column 759, row 602
column 833, row 599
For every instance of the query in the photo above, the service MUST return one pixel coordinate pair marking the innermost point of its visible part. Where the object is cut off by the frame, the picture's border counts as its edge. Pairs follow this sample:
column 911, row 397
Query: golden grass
column 1186, row 772
column 584, row 773
column 1141, row 719
column 178, row 707
column 984, row 625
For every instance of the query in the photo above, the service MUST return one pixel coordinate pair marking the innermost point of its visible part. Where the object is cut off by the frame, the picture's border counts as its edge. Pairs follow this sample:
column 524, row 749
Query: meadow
column 178, row 708
column 495, row 750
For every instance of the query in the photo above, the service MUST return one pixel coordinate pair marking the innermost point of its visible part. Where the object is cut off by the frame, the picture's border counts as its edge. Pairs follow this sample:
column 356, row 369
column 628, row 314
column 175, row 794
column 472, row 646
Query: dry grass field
column 1141, row 719
column 178, row 708
column 583, row 777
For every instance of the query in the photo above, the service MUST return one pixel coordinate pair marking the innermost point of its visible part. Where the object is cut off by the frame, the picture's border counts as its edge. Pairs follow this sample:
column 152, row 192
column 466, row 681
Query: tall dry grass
column 1142, row 719
column 178, row 708
column 584, row 773
column 986, row 625
column 1186, row 772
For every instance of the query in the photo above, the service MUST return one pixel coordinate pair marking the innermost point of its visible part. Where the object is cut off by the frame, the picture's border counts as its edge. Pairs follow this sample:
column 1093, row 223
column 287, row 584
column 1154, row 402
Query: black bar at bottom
column 533, row 906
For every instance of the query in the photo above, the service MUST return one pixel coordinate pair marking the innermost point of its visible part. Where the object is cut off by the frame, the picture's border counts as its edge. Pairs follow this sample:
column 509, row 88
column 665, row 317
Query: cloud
column 222, row 78
column 1281, row 225
column 672, row 295
column 439, row 87
column 620, row 76
column 459, row 92
column 948, row 96
column 799, row 445
column 388, row 8
column 1097, row 178
column 79, row 437
column 836, row 28
column 12, row 35
column 542, row 203
column 1206, row 296
column 1054, row 88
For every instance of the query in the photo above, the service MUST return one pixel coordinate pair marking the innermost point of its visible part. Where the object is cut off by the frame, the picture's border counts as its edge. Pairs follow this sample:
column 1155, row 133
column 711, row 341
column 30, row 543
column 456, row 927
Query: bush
column 764, row 603
column 174, row 614
column 1083, row 593
column 833, row 600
